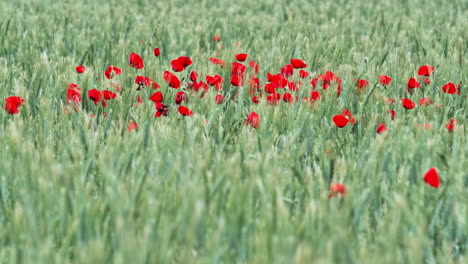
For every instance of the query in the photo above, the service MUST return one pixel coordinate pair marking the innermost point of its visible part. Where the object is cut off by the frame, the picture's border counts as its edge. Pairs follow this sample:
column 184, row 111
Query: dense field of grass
column 207, row 188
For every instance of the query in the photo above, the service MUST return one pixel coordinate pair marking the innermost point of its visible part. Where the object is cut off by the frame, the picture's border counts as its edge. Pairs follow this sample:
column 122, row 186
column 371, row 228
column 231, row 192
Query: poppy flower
column 337, row 188
column 12, row 104
column 177, row 66
column 237, row 80
column 219, row 99
column 161, row 109
column 254, row 66
column 449, row 88
column 314, row 82
column 256, row 99
column 292, row 86
column 287, row 70
column 274, row 98
column 241, row 57
column 361, row 84
column 156, row 52
column 112, row 71
column 427, row 81
column 171, row 80
column 216, row 81
column 185, row 61
column 254, row 83
column 108, row 95
column 340, row 120
column 350, row 117
column 193, row 76
column 381, row 128
column 425, row 70
column 95, row 96
column 412, row 83
column 131, row 126
column 303, row 74
column 80, row 69
column 384, row 80
column 278, row 79
column 73, row 94
column 180, row 97
column 431, row 177
column 288, row 98
column 238, row 69
column 314, row 96
column 270, row 87
column 135, row 61
column 217, row 61
column 185, row 111
column 253, row 120
column 451, row 125
column 407, row 103
column 425, row 101
column 216, row 38
column 298, row 64
column 145, row 81
column 157, row 97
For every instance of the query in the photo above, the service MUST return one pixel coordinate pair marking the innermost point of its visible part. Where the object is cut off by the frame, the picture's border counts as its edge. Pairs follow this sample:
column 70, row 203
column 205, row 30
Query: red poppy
column 108, row 95
column 292, row 86
column 449, row 88
column 315, row 96
column 217, row 61
column 193, row 76
column 254, row 66
column 216, row 38
column 131, row 126
column 337, row 188
column 171, row 80
column 256, row 99
column 80, row 69
column 157, row 97
column 157, row 52
column 361, row 84
column 298, row 64
column 241, row 57
column 278, row 79
column 112, row 71
column 340, row 120
column 425, row 101
column 381, row 128
column 314, row 82
column 431, row 177
column 288, row 98
column 219, row 99
column 95, row 96
column 180, row 97
column 73, row 94
column 384, row 80
column 135, row 61
column 412, row 83
column 427, row 81
column 274, row 98
column 254, row 83
column 177, row 66
column 451, row 125
column 407, row 103
column 185, row 111
column 145, row 81
column 287, row 70
column 12, row 104
column 392, row 113
column 253, row 120
column 185, row 61
column 238, row 68
column 237, row 80
column 303, row 74
column 216, row 81
column 425, row 70
column 348, row 114
column 161, row 109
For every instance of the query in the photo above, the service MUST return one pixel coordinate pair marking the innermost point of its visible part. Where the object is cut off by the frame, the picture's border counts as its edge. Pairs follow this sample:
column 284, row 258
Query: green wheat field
column 106, row 181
